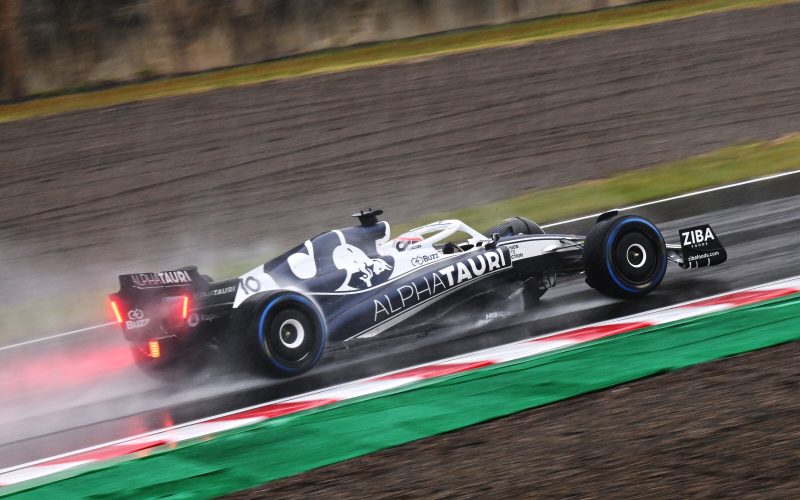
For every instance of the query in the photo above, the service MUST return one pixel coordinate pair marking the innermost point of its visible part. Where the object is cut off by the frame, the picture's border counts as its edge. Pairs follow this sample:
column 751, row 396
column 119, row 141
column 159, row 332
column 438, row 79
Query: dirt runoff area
column 729, row 428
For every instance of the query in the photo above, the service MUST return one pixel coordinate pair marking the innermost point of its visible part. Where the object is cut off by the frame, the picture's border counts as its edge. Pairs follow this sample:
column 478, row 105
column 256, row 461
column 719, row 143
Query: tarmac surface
column 84, row 390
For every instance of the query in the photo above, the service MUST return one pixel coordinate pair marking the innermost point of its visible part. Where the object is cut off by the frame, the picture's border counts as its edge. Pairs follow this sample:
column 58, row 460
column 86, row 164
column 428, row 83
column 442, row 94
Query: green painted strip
column 293, row 444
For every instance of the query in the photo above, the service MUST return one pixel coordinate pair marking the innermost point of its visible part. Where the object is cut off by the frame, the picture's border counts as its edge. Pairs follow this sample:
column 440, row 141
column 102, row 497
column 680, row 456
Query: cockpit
column 440, row 235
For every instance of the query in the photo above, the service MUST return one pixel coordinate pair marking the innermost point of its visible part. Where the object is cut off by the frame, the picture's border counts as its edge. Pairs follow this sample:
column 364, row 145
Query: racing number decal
column 253, row 282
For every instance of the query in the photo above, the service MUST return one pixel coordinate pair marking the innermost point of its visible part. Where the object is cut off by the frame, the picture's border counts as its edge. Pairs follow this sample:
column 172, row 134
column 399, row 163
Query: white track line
column 80, row 330
column 554, row 224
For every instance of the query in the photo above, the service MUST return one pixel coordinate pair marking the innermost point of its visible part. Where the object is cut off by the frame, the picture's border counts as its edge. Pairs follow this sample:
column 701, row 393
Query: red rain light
column 185, row 309
column 117, row 315
column 155, row 349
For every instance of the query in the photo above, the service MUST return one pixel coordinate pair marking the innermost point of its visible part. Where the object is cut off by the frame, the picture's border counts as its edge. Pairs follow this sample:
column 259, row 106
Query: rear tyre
column 288, row 335
column 513, row 226
column 624, row 257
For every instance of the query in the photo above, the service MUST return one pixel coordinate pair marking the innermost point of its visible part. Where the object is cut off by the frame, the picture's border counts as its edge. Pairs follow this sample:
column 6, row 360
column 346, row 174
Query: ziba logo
column 696, row 236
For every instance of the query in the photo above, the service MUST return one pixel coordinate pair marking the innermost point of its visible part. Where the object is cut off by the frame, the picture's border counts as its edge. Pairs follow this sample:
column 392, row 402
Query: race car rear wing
column 187, row 277
column 151, row 305
column 699, row 247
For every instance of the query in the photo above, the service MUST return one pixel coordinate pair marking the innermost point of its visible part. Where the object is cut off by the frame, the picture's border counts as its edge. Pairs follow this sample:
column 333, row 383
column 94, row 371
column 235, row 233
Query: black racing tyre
column 513, row 226
column 625, row 257
column 288, row 334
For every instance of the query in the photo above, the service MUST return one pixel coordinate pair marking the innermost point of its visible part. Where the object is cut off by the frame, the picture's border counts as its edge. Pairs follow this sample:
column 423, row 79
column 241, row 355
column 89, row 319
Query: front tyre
column 289, row 334
column 625, row 257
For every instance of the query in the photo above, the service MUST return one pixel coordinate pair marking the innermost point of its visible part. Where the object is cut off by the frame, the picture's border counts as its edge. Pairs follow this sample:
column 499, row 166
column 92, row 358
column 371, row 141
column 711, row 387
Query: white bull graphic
column 353, row 260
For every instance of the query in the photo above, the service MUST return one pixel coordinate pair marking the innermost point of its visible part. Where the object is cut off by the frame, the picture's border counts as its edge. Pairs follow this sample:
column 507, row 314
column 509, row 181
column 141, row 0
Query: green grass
column 337, row 60
column 719, row 167
column 723, row 166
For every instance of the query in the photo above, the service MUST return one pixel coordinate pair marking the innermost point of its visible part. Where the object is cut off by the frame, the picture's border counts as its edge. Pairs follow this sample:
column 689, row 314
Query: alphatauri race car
column 356, row 284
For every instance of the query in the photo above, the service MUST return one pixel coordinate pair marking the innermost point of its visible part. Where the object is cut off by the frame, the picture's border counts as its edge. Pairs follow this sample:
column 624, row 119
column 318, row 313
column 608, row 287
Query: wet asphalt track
column 67, row 394
column 224, row 176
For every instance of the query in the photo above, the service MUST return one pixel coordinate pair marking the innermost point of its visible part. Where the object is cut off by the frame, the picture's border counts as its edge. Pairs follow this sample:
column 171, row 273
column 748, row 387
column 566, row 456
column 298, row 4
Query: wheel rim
column 292, row 337
column 291, row 333
column 636, row 255
column 636, row 258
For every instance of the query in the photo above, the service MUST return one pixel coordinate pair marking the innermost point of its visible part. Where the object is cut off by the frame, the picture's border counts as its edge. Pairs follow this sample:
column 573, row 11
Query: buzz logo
column 424, row 259
column 136, row 319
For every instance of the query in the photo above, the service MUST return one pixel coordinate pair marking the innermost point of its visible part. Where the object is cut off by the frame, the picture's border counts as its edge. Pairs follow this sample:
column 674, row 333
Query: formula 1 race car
column 355, row 284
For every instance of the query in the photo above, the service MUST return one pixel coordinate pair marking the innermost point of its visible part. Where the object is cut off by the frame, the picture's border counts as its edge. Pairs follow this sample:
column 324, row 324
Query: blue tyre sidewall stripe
column 608, row 257
column 320, row 322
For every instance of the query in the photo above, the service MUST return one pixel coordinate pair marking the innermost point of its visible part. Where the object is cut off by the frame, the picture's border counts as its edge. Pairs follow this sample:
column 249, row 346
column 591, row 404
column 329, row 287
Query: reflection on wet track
column 83, row 390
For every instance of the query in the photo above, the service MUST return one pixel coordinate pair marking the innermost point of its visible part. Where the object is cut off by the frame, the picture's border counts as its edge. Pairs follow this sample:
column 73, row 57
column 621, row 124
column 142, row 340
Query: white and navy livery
column 355, row 284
